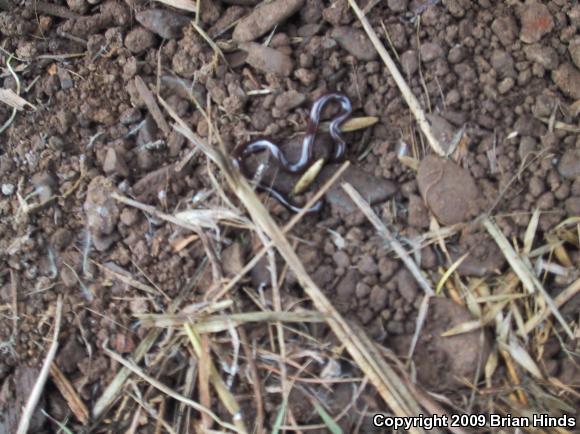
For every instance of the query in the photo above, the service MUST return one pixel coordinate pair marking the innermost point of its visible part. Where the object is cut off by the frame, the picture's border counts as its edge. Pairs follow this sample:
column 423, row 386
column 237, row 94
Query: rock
column 8, row 189
column 103, row 242
column 268, row 60
column 101, row 209
column 529, row 126
column 130, row 116
column 70, row 354
column 367, row 265
column 572, row 205
column 233, row 259
column 60, row 239
column 406, row 285
column 430, row 51
column 545, row 56
column 398, row 5
column 448, row 190
column 163, row 22
column 505, row 85
column 574, row 49
column 503, row 63
column 569, row 165
column 337, row 13
column 456, row 54
column 506, row 29
column 527, row 147
column 229, row 17
column 567, row 78
column 264, row 18
column 536, row 22
column 289, row 100
column 115, row 164
column 371, row 188
column 443, row 362
column 347, row 285
column 139, row 39
column 409, row 62
column 443, row 131
column 378, row 298
column 418, row 213
column 355, row 41
column 45, row 184
column 123, row 342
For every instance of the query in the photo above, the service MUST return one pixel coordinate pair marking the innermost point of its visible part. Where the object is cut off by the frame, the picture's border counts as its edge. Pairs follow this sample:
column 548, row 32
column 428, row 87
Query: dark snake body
column 306, row 153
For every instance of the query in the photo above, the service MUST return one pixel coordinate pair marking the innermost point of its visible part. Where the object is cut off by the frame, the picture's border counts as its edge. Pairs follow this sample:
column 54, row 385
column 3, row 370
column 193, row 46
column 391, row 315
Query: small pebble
column 167, row 24
column 567, row 78
column 7, row 189
column 264, row 18
column 268, row 60
column 355, row 41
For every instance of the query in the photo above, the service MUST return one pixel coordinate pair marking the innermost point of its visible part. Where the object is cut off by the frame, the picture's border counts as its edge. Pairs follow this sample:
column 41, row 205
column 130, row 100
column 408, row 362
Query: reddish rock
column 536, row 22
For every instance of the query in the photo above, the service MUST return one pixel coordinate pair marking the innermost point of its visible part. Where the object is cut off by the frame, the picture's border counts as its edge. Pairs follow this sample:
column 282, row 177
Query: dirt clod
column 167, row 24
column 567, row 78
column 448, row 190
column 355, row 41
column 139, row 40
column 569, row 165
column 372, row 189
column 268, row 60
column 115, row 164
column 442, row 362
column 264, row 18
column 536, row 21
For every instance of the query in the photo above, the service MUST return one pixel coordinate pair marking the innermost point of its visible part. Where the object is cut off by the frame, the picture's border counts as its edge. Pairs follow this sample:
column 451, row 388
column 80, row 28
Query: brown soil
column 500, row 70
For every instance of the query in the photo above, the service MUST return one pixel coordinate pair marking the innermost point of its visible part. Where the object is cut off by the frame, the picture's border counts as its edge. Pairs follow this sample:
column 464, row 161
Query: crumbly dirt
column 499, row 70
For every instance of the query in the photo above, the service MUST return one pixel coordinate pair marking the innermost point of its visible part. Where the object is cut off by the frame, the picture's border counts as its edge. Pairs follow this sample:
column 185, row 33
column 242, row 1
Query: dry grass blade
column 521, row 356
column 72, row 398
column 115, row 387
column 523, row 272
column 209, row 218
column 163, row 388
column 220, row 323
column 10, row 98
column 381, row 375
column 210, row 41
column 388, row 236
column 129, row 280
column 226, row 397
column 152, row 105
column 531, row 232
column 449, row 272
column 43, row 375
column 559, row 301
column 412, row 102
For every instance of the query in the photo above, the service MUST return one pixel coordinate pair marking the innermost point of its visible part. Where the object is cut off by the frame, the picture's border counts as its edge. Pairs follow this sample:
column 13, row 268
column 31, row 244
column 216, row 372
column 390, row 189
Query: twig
column 71, row 396
column 43, row 375
column 403, row 86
